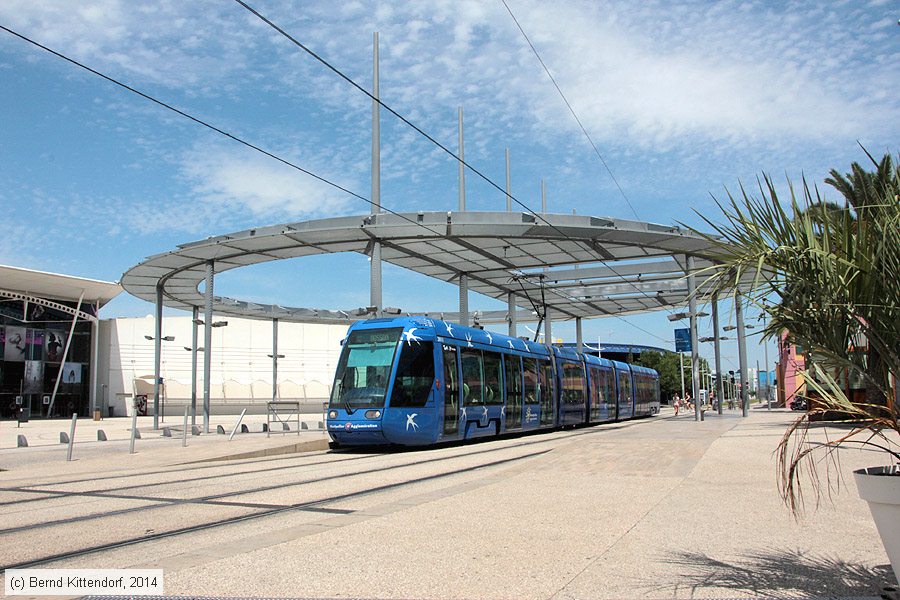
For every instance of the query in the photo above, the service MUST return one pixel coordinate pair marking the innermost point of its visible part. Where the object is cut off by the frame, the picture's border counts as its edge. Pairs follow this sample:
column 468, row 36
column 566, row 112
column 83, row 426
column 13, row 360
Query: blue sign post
column 683, row 340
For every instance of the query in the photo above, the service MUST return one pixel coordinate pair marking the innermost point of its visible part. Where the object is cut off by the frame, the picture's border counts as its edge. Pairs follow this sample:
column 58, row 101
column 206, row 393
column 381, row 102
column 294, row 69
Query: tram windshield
column 364, row 368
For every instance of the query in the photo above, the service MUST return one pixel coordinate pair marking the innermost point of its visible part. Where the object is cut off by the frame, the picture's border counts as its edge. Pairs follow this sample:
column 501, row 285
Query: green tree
column 836, row 278
column 667, row 365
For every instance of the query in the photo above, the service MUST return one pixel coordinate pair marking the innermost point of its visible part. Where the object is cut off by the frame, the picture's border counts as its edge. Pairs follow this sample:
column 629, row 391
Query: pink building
column 791, row 363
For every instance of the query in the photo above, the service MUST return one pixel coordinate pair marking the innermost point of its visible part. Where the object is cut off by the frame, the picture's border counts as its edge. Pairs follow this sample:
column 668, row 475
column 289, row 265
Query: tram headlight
column 332, row 414
column 373, row 414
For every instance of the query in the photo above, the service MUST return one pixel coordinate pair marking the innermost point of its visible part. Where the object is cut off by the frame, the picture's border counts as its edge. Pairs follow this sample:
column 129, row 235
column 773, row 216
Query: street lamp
column 685, row 315
column 201, row 322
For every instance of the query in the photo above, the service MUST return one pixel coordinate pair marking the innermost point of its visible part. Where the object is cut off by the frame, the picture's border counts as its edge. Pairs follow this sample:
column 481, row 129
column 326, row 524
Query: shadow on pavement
column 780, row 573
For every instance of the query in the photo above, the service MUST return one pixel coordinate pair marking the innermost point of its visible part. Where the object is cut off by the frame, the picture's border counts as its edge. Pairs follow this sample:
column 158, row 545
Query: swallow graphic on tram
column 416, row 381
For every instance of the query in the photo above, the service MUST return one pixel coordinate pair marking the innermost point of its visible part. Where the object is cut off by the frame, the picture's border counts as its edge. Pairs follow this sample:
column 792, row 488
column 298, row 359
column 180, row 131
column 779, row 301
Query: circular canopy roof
column 578, row 266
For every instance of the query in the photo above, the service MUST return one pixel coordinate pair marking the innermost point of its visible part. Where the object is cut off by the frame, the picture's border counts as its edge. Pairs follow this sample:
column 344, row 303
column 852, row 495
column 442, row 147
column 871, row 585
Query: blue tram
column 417, row 381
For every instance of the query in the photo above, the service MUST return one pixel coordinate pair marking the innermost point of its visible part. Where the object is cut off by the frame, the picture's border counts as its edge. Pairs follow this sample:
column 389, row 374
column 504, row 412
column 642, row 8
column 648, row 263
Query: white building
column 241, row 363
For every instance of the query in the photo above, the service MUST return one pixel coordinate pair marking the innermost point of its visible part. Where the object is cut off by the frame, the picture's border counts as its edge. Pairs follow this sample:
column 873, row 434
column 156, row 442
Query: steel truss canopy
column 578, row 266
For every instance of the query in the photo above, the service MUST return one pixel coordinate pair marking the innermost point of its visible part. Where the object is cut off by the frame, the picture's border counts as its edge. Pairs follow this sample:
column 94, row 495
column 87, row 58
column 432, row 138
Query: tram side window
column 472, row 376
column 625, row 387
column 547, row 386
column 531, row 380
column 513, row 380
column 597, row 387
column 451, row 378
column 492, row 381
column 415, row 375
column 573, row 383
column 609, row 386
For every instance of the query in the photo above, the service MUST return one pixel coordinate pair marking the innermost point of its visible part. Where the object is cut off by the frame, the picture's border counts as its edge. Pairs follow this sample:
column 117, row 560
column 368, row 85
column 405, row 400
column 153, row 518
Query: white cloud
column 680, row 82
column 649, row 71
column 175, row 44
column 240, row 180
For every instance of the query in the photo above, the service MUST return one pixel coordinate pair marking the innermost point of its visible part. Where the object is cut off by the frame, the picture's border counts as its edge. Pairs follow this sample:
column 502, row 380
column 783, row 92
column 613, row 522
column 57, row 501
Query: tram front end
column 384, row 389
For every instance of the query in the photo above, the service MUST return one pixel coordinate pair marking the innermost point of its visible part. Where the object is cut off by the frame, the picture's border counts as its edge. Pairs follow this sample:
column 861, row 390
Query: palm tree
column 863, row 191
column 836, row 275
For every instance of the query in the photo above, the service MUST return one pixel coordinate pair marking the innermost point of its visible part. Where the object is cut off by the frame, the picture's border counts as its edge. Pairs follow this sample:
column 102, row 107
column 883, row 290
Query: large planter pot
column 880, row 487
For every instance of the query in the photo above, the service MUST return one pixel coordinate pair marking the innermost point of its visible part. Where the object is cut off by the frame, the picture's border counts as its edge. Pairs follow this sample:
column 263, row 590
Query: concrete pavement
column 660, row 508
column 44, row 447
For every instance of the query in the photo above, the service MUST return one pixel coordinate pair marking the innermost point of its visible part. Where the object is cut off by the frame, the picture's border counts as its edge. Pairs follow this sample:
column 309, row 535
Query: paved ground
column 44, row 442
column 661, row 508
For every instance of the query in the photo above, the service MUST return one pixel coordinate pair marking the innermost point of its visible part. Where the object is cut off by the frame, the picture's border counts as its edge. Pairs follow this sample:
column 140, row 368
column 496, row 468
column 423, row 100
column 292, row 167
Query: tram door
column 548, row 389
column 451, row 391
column 513, row 392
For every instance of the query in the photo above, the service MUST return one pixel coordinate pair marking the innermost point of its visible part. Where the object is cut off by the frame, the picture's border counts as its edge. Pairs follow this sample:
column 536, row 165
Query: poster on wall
column 14, row 347
column 34, row 377
column 35, row 340
column 56, row 342
column 71, row 373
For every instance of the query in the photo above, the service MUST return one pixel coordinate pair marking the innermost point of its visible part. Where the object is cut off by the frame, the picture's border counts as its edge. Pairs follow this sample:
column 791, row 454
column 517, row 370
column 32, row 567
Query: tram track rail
column 164, row 502
column 122, row 474
column 32, row 489
column 311, row 504
column 110, row 492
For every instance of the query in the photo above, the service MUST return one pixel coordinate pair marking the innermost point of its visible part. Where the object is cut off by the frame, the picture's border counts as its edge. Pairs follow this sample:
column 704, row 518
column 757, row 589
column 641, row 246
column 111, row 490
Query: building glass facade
column 38, row 347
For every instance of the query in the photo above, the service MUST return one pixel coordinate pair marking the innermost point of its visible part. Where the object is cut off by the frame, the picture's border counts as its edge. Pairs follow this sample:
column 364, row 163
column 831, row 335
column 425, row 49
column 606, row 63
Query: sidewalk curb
column 296, row 448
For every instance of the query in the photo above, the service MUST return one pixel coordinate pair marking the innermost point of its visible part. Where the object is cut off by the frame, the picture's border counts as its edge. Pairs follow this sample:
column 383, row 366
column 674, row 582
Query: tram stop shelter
column 546, row 267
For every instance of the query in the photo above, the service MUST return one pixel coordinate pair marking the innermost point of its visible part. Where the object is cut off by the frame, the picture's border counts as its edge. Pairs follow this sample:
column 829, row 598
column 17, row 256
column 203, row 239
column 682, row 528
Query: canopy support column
column 157, row 353
column 742, row 354
column 375, row 293
column 207, row 341
column 463, row 299
column 720, row 383
column 196, row 318
column 695, row 356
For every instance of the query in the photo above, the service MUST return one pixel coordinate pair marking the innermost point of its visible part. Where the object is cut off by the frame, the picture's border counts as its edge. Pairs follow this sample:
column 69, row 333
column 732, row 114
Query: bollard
column 72, row 437
column 134, row 431
column 184, row 429
column 21, row 442
column 137, row 434
column 195, row 430
column 304, row 425
column 244, row 428
column 236, row 425
column 63, row 437
column 321, row 425
column 265, row 427
column 285, row 427
column 101, row 435
column 166, row 432
column 220, row 429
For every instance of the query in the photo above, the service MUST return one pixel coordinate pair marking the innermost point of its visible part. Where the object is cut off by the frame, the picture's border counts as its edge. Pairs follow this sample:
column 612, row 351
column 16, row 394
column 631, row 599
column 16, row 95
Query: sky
column 683, row 100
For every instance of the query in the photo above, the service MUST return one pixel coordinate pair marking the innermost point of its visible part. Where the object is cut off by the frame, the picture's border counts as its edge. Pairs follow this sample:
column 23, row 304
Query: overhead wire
column 430, row 138
column 292, row 165
column 406, row 121
column 571, row 110
column 212, row 127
